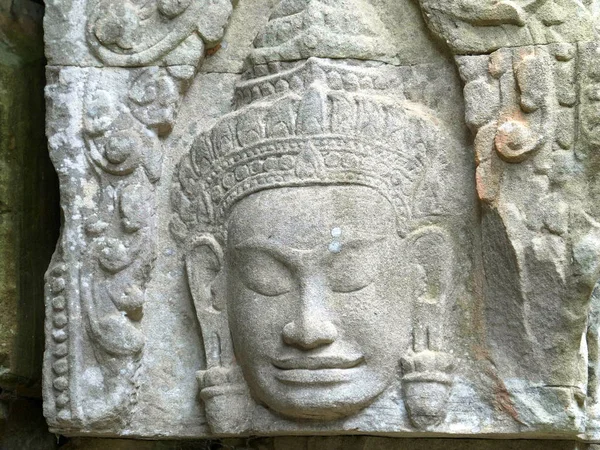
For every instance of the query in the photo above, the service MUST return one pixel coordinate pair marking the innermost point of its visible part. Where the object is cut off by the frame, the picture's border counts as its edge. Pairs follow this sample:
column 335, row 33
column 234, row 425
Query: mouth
column 317, row 370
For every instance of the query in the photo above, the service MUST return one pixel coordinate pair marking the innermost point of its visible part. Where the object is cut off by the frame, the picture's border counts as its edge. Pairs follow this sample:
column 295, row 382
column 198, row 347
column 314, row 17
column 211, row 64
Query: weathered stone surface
column 28, row 219
column 482, row 26
column 130, row 33
column 330, row 223
column 408, row 44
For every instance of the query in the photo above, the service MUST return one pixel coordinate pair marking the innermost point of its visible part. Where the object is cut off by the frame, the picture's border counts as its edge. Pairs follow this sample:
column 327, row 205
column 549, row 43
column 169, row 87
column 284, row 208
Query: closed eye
column 354, row 267
column 262, row 273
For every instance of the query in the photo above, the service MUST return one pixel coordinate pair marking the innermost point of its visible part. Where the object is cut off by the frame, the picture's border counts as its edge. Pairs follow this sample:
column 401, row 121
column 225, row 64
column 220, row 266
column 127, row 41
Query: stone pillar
column 28, row 225
column 28, row 196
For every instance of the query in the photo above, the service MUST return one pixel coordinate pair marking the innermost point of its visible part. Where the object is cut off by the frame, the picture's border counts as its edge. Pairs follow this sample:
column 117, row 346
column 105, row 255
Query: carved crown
column 318, row 122
column 299, row 29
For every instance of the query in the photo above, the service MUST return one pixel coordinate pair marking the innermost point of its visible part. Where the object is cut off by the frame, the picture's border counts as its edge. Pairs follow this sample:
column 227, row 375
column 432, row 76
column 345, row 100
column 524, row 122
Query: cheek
column 256, row 321
column 377, row 320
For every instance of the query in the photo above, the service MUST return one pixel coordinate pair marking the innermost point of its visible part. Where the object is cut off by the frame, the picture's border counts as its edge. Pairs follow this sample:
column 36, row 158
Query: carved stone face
column 318, row 314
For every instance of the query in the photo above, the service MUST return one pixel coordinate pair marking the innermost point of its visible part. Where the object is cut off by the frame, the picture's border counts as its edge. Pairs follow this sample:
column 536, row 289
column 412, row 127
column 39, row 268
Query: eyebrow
column 279, row 249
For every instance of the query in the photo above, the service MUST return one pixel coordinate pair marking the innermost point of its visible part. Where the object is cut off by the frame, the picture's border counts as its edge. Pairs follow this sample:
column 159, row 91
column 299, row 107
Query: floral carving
column 125, row 119
column 126, row 116
column 130, row 33
column 519, row 103
column 530, row 100
column 124, row 146
column 481, row 26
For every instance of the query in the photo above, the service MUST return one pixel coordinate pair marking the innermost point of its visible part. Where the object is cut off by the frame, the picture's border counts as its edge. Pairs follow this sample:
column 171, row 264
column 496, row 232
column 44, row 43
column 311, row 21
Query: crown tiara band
column 300, row 161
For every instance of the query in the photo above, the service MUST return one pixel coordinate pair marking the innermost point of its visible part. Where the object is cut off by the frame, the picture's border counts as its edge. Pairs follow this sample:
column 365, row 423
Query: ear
column 203, row 263
column 433, row 255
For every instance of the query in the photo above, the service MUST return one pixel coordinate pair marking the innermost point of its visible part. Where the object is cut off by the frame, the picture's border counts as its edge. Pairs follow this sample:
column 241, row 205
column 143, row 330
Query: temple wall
column 157, row 113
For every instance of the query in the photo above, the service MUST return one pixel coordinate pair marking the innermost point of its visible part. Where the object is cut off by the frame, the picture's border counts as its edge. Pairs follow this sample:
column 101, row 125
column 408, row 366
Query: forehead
column 300, row 215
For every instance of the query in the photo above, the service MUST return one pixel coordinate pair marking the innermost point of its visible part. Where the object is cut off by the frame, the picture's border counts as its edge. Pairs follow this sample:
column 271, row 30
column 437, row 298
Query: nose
column 312, row 328
column 310, row 333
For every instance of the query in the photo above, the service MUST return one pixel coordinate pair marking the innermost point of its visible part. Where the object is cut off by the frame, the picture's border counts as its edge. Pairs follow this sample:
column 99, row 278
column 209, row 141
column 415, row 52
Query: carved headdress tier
column 299, row 29
column 318, row 123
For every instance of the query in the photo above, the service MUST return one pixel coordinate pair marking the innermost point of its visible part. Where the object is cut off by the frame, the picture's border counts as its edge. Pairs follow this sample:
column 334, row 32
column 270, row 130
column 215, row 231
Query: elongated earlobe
column 428, row 370
column 204, row 263
column 223, row 390
column 433, row 256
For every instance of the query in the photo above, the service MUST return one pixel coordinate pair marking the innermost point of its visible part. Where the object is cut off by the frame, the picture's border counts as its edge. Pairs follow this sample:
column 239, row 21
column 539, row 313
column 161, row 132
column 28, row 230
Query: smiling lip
column 318, row 362
column 316, row 370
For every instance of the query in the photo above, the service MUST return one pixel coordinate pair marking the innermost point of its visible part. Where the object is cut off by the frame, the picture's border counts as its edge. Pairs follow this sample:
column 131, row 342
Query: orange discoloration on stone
column 212, row 51
column 481, row 187
column 502, row 399
column 515, row 141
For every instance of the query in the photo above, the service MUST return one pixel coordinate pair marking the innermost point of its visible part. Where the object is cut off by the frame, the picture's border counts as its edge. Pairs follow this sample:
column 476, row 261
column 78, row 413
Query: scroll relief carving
column 123, row 150
column 163, row 32
column 126, row 114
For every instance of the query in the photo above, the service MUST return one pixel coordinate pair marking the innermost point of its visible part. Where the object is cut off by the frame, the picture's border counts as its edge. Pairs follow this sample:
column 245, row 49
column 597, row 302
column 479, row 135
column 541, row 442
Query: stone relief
column 132, row 33
column 123, row 153
column 125, row 116
column 318, row 245
column 528, row 108
column 349, row 182
column 481, row 26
